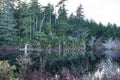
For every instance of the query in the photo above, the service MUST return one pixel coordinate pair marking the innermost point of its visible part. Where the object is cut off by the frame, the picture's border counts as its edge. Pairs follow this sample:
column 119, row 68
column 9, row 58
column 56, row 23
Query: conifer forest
column 48, row 43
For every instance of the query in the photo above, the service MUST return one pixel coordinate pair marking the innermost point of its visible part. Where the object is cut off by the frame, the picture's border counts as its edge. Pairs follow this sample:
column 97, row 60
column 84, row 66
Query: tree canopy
column 31, row 22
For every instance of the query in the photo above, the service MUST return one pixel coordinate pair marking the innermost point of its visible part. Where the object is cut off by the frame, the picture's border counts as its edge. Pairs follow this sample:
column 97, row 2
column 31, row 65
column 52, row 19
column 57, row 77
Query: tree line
column 33, row 23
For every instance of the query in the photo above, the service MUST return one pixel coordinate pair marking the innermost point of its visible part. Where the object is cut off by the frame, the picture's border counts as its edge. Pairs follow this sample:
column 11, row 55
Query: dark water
column 82, row 62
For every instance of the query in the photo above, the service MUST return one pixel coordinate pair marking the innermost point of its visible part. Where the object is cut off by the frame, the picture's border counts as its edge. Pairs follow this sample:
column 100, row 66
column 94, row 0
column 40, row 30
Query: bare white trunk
column 33, row 25
column 36, row 23
column 42, row 23
column 25, row 49
column 30, row 30
column 59, row 47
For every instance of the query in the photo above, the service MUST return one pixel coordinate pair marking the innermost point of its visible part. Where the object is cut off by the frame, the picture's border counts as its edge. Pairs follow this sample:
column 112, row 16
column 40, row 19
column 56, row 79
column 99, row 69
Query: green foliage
column 62, row 25
column 100, row 30
column 75, row 60
column 31, row 22
column 6, row 71
column 24, row 62
column 7, row 23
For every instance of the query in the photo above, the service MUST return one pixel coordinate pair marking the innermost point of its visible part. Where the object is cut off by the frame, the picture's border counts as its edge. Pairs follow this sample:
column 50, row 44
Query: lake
column 92, row 61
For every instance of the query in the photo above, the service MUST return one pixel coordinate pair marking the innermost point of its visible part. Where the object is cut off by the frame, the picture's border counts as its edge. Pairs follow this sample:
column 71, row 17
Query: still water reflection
column 108, row 54
column 92, row 61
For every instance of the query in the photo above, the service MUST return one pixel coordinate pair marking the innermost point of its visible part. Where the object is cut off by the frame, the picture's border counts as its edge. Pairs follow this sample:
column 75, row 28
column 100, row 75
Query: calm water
column 90, row 62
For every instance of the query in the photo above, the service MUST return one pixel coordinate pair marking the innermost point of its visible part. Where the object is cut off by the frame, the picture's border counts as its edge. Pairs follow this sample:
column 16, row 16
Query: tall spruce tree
column 24, row 20
column 7, row 23
column 49, row 19
column 62, row 21
column 81, row 28
column 62, row 25
column 36, row 16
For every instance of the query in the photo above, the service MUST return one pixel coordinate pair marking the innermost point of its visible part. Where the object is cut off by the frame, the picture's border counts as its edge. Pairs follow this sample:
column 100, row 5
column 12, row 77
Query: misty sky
column 99, row 10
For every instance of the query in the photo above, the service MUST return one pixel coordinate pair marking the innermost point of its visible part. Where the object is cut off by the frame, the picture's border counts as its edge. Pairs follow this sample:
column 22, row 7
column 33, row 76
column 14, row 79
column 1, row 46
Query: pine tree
column 62, row 26
column 48, row 23
column 81, row 29
column 62, row 21
column 79, row 13
column 23, row 21
column 7, row 23
column 36, row 16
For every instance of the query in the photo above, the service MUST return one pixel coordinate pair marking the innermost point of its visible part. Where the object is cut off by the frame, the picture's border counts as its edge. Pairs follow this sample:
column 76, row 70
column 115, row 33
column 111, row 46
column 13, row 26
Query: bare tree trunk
column 30, row 29
column 50, row 23
column 42, row 23
column 62, row 48
column 33, row 25
column 59, row 47
column 36, row 23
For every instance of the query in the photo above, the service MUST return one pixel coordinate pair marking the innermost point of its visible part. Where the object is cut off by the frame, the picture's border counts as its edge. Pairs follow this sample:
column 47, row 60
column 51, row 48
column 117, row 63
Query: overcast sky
column 99, row 10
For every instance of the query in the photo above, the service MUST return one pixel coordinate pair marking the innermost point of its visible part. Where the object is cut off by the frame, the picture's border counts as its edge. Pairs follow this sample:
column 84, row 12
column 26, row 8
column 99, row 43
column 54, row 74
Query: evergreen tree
column 24, row 20
column 79, row 13
column 62, row 26
column 36, row 18
column 80, row 29
column 62, row 22
column 7, row 23
column 49, row 18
